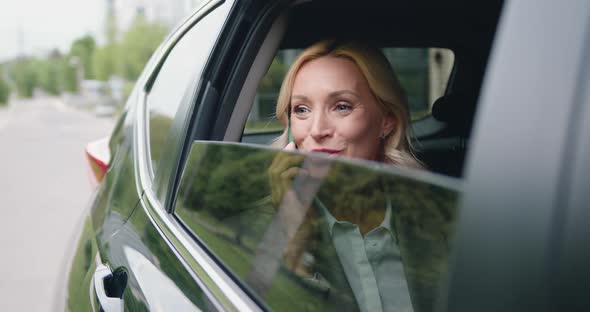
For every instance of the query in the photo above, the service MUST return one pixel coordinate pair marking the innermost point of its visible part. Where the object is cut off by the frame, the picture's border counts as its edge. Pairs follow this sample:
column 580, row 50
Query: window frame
column 220, row 290
column 189, row 96
column 236, row 57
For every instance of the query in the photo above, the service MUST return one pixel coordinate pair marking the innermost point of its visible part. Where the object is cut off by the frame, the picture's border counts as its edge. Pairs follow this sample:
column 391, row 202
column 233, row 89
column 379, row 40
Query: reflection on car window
column 423, row 72
column 184, row 63
column 340, row 235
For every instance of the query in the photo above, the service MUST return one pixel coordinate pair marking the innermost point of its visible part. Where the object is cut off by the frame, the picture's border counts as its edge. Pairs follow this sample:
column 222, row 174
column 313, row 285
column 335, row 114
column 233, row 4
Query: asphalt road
column 44, row 193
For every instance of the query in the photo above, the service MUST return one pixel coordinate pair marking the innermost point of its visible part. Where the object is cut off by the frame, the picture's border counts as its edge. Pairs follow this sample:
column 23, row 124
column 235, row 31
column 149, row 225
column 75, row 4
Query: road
column 44, row 192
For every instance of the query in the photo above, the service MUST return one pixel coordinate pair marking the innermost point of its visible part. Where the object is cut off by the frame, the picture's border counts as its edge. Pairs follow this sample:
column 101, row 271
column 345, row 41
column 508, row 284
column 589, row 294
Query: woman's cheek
column 298, row 133
column 356, row 130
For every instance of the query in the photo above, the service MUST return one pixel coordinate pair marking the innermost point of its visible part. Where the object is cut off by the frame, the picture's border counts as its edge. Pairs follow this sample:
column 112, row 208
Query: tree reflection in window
column 224, row 198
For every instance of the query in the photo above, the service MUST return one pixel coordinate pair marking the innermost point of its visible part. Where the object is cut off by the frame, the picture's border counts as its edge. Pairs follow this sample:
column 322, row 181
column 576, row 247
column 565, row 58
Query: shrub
column 4, row 91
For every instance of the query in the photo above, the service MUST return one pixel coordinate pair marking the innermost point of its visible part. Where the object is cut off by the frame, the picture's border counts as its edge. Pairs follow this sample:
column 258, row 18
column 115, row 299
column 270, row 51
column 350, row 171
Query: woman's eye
column 300, row 110
column 343, row 107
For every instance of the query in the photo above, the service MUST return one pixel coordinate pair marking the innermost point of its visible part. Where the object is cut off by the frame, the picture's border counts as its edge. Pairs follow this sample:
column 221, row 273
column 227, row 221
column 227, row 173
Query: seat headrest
column 453, row 109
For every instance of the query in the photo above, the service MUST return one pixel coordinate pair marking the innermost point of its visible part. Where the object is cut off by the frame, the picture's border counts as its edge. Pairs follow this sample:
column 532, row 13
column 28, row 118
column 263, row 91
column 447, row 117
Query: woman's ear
column 389, row 123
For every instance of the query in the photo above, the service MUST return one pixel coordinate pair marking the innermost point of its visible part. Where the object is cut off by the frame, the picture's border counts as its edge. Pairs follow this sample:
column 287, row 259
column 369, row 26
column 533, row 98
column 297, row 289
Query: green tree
column 4, row 89
column 83, row 48
column 68, row 76
column 271, row 83
column 268, row 91
column 25, row 77
column 126, row 56
column 104, row 63
column 138, row 44
column 48, row 72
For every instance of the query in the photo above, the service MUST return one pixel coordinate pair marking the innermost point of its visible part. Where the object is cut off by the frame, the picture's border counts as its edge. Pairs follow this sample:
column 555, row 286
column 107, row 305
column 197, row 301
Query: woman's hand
column 283, row 170
column 290, row 147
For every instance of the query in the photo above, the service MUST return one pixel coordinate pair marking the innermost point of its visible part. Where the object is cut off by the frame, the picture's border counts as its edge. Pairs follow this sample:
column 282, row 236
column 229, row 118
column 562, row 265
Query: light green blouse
column 372, row 264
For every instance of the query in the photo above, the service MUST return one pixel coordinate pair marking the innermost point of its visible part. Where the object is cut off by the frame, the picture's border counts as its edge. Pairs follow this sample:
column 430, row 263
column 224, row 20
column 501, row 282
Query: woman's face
column 334, row 111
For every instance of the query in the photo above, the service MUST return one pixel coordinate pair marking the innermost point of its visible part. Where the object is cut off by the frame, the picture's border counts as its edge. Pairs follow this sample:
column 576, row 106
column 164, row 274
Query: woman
column 343, row 98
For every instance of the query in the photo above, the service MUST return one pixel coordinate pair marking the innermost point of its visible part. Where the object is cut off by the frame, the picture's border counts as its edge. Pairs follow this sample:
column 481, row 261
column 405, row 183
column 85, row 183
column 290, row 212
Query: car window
column 423, row 72
column 177, row 77
column 343, row 236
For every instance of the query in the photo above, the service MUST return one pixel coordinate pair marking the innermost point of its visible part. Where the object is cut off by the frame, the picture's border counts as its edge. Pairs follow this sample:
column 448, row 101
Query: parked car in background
column 104, row 110
column 501, row 115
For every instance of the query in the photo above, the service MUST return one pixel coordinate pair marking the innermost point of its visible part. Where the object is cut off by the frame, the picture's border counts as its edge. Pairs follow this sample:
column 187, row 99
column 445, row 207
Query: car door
column 510, row 252
column 115, row 199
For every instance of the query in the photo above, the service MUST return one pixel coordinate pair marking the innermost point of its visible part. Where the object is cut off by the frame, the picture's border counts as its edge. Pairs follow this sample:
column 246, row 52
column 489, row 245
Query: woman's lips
column 326, row 150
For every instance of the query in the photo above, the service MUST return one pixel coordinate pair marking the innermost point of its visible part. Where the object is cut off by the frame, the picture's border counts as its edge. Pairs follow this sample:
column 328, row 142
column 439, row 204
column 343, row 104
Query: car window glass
column 423, row 72
column 342, row 236
column 175, row 79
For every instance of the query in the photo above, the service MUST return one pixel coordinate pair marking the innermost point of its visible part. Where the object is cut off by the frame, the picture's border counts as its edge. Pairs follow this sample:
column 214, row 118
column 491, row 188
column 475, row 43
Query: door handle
column 107, row 303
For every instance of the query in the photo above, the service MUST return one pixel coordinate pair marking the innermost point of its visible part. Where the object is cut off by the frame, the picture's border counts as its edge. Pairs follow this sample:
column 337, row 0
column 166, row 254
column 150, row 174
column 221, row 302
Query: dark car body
column 508, row 143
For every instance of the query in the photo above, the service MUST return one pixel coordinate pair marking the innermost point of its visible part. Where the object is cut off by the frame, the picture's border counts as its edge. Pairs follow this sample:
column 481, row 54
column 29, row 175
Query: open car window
column 423, row 72
column 344, row 235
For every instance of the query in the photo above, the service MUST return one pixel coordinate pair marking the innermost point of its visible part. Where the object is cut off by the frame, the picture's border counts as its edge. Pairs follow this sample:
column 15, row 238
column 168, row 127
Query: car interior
column 463, row 27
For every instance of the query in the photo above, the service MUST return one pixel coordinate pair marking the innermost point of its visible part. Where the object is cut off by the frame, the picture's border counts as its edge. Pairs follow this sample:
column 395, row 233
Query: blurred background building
column 169, row 12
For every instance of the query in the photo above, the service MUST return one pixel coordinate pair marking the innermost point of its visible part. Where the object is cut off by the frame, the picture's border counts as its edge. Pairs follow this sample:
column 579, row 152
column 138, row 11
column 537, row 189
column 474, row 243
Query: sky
column 47, row 24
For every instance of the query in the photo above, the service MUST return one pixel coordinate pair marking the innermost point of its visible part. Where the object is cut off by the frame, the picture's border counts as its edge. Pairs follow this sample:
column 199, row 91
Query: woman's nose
column 320, row 127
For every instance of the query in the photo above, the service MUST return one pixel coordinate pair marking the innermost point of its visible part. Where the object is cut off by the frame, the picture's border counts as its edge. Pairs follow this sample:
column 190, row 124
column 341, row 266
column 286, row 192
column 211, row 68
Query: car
column 103, row 110
column 499, row 221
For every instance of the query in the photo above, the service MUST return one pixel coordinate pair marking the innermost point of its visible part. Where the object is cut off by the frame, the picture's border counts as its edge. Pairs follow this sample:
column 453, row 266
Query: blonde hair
column 391, row 97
